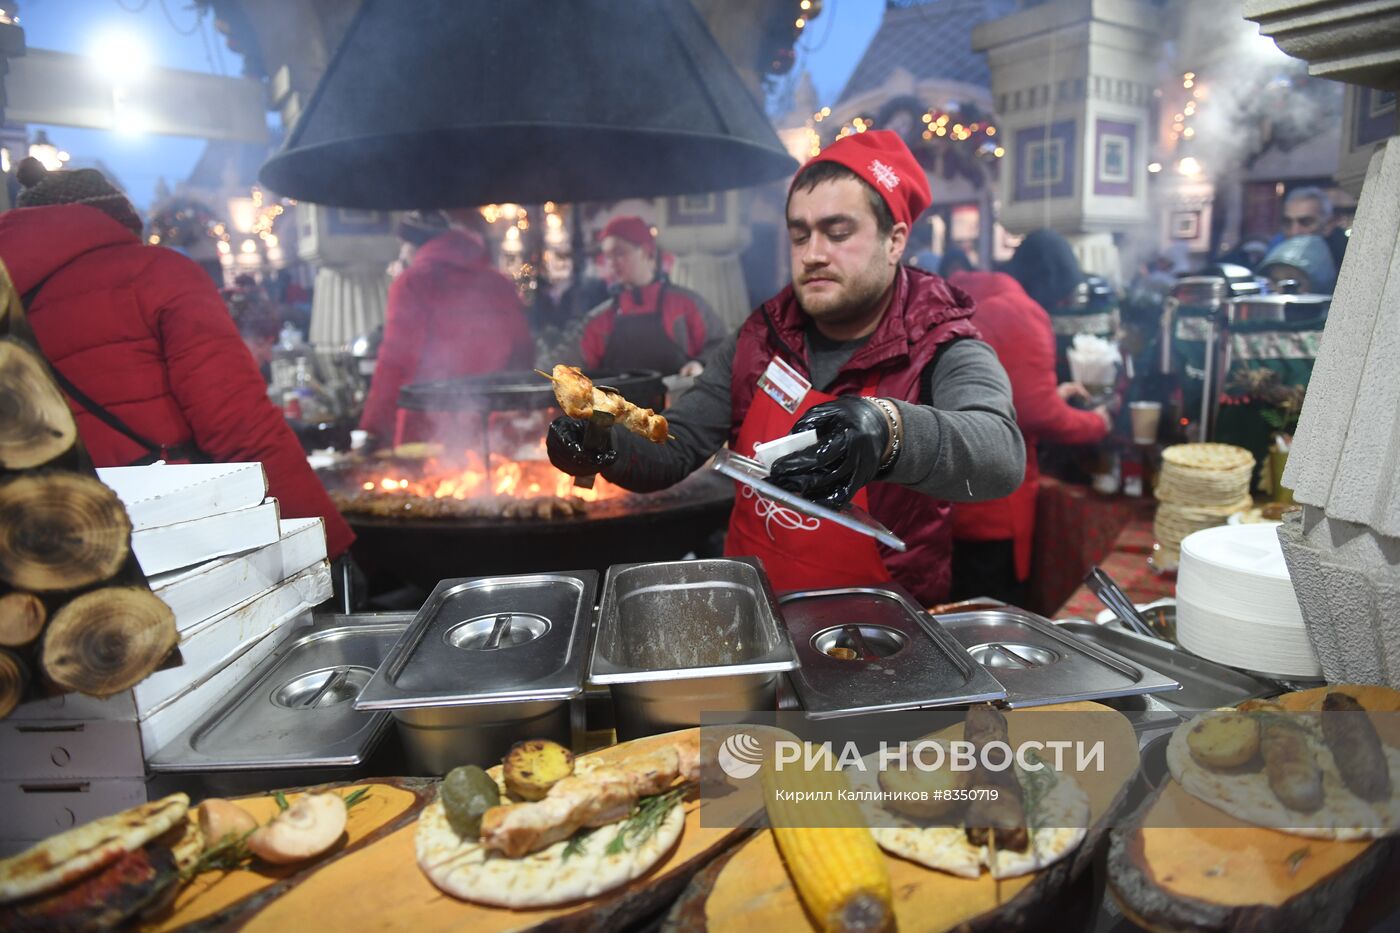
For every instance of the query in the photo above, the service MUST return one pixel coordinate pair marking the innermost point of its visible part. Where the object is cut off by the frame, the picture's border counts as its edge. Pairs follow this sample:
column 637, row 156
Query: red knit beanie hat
column 633, row 230
column 882, row 160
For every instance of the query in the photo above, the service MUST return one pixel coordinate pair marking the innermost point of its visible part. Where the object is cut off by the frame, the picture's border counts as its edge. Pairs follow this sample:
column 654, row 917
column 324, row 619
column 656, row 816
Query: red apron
column 798, row 551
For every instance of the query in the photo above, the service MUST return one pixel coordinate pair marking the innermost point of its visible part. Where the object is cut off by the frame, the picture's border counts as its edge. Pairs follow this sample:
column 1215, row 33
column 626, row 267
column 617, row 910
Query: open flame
column 469, row 478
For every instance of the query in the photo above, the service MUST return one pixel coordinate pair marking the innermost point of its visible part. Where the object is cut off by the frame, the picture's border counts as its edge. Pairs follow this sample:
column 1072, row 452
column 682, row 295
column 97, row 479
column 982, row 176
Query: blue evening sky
column 176, row 38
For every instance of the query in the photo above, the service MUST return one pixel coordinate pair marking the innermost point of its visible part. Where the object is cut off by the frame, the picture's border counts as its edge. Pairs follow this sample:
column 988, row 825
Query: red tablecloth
column 1127, row 565
column 1076, row 528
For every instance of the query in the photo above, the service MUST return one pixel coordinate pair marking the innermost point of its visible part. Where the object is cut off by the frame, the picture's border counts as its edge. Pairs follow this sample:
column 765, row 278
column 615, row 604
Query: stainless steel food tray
column 1204, row 684
column 495, row 639
column 1038, row 663
column 686, row 619
column 903, row 658
column 295, row 711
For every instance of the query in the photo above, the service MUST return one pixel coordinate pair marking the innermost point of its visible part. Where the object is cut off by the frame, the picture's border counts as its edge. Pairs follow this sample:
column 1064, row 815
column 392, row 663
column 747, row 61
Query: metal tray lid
column 904, row 658
column 498, row 639
column 295, row 710
column 1041, row 664
column 755, row 475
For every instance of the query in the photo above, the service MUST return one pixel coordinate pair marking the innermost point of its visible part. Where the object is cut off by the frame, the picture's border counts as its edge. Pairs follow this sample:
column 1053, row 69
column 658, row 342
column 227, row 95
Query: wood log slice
column 60, row 531
column 1179, row 863
column 14, row 680
column 752, row 891
column 22, row 618
column 36, row 424
column 108, row 640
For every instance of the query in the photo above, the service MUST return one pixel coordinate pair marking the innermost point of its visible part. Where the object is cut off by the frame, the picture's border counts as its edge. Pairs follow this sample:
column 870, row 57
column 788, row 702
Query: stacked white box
column 237, row 590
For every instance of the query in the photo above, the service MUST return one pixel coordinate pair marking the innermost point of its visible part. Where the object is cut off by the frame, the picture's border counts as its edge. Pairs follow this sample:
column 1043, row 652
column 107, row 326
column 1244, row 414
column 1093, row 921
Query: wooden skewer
column 546, row 375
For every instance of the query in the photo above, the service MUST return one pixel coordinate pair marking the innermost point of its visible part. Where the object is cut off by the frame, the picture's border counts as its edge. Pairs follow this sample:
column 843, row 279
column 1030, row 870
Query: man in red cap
column 911, row 409
column 650, row 323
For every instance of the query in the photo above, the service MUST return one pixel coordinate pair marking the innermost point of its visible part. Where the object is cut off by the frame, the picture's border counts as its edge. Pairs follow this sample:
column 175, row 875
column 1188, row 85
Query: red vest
column 924, row 314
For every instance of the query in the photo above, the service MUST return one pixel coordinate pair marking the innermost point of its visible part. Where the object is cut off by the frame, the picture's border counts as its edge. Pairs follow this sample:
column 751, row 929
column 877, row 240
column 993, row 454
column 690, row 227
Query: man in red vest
column 910, row 407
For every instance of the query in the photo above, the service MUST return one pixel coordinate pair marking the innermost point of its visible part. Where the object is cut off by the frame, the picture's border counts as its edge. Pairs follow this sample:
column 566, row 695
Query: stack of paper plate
column 1235, row 602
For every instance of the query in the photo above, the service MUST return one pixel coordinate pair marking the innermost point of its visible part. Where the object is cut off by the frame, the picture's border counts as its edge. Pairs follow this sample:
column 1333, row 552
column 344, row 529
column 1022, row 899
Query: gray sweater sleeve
column 962, row 444
column 699, row 421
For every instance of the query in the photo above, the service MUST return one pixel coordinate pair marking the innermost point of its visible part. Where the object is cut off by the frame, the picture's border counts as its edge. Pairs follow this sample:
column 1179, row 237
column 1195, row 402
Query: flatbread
column 466, row 869
column 1247, row 795
column 62, row 859
column 1063, row 814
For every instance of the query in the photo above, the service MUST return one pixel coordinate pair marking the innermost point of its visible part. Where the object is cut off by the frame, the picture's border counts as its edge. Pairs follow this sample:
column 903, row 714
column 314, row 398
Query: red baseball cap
column 633, row 230
column 882, row 160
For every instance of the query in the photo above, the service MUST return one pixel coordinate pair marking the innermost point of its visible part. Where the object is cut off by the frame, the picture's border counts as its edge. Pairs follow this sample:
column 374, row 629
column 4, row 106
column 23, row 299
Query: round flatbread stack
column 1061, row 821
column 464, row 868
column 1247, row 795
column 1199, row 486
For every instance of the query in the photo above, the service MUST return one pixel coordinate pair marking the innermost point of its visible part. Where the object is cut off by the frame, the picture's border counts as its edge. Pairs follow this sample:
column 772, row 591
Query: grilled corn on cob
column 837, row 868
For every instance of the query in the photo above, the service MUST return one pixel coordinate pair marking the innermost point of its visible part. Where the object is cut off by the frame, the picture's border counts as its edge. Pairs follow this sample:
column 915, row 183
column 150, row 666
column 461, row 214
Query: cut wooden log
column 36, row 425
column 14, row 679
column 1180, row 863
column 108, row 640
column 22, row 618
column 60, row 531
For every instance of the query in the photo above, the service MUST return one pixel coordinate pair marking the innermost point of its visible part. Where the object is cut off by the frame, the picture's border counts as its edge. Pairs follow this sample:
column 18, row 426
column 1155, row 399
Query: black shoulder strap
column 154, row 451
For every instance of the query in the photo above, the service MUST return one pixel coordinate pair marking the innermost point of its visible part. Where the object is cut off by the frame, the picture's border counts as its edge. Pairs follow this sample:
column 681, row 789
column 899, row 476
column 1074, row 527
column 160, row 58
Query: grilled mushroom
column 219, row 818
column 306, row 829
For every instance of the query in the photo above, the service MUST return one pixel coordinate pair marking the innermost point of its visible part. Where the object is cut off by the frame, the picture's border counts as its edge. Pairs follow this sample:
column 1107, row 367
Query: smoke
column 1247, row 97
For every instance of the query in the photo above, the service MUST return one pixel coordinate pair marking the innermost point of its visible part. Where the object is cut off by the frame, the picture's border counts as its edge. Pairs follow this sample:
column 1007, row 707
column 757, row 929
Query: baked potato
column 913, row 780
column 1224, row 741
column 532, row 767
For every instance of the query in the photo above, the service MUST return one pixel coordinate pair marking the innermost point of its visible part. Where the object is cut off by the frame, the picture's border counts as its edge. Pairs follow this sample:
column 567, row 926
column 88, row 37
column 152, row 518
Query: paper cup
column 1146, row 417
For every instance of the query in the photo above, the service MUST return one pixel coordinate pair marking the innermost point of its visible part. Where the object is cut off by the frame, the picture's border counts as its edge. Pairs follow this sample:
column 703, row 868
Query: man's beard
column 856, row 300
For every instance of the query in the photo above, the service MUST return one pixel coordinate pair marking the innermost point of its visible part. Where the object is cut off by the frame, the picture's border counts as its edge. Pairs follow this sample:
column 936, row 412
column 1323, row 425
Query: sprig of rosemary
column 644, row 821
column 356, row 797
column 575, row 846
column 281, row 799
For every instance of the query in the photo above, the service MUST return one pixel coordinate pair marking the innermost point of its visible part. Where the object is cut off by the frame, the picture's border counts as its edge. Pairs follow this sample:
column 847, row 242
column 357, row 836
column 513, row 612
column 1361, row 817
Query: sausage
column 1352, row 739
column 1005, row 817
column 1293, row 773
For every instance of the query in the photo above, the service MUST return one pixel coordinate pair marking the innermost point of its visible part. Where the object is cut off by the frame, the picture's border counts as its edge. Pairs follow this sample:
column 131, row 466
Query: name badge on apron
column 784, row 385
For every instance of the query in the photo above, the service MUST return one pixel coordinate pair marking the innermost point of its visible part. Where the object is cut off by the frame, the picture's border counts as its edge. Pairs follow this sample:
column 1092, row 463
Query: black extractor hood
column 456, row 103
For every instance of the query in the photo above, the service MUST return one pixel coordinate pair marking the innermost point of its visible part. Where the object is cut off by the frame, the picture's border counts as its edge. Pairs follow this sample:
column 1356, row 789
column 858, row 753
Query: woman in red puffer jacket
column 142, row 332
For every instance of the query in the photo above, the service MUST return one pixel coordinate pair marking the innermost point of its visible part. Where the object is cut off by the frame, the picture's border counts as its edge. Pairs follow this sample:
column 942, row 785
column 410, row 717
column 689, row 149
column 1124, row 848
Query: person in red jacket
column 650, row 324
column 450, row 314
column 992, row 540
column 155, row 367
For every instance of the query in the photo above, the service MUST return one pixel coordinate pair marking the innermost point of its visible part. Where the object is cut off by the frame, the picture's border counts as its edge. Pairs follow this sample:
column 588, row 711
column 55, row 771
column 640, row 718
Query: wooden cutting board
column 752, row 891
column 1229, row 874
column 373, row 881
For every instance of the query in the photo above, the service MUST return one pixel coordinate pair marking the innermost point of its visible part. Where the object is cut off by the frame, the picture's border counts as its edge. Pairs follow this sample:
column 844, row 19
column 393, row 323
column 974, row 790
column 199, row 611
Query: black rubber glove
column 851, row 438
column 565, row 447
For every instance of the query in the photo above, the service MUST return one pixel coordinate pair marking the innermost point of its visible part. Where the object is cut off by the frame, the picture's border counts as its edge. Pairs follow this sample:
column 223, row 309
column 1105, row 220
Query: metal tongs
column 1112, row 596
column 596, row 435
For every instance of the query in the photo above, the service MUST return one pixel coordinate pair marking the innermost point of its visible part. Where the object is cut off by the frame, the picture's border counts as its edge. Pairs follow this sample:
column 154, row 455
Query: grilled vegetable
column 1225, row 741
column 1356, row 747
column 1293, row 773
column 466, row 794
column 998, row 819
column 837, row 868
column 309, row 827
column 221, row 818
column 534, row 766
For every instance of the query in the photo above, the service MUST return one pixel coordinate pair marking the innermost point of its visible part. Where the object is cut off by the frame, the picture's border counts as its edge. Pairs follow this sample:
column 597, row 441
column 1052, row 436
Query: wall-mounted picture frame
column 1185, row 225
column 1045, row 161
column 693, row 210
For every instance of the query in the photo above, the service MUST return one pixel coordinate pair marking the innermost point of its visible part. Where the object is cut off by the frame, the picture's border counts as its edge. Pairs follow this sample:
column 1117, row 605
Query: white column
column 705, row 234
column 352, row 248
column 1343, row 550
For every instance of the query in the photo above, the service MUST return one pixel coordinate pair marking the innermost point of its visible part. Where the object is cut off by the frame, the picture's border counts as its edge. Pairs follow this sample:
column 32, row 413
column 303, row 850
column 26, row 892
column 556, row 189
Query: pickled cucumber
column 466, row 794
